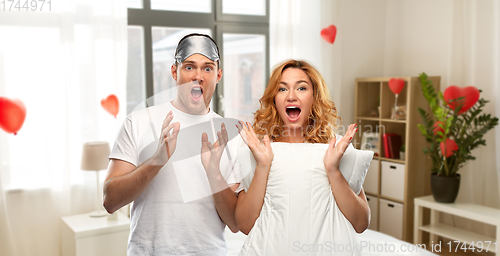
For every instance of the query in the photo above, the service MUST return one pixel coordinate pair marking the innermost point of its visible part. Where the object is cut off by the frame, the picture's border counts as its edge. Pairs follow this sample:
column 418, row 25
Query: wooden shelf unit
column 369, row 93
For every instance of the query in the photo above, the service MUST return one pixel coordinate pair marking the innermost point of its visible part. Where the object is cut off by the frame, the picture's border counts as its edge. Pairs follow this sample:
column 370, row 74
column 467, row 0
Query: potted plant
column 454, row 127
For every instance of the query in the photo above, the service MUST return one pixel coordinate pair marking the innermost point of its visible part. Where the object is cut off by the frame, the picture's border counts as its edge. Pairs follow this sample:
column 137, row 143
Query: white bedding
column 372, row 242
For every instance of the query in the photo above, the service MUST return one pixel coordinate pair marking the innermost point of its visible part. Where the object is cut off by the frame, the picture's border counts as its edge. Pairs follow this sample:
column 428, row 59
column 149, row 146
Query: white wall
column 417, row 37
column 361, row 36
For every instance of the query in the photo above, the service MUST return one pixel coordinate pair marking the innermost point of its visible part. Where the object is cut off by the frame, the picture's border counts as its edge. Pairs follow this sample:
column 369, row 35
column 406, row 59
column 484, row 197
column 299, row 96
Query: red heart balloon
column 396, row 85
column 450, row 145
column 12, row 115
column 111, row 104
column 329, row 33
column 470, row 94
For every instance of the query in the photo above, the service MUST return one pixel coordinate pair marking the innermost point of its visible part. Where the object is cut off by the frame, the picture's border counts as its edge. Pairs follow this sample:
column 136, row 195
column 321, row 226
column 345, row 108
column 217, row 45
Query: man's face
column 196, row 79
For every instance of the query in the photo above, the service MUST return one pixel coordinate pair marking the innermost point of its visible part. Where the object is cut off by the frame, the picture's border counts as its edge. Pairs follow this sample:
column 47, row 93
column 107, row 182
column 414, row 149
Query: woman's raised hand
column 261, row 150
column 335, row 150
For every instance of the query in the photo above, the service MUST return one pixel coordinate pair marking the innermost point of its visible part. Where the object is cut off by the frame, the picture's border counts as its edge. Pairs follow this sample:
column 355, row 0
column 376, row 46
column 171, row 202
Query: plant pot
column 444, row 188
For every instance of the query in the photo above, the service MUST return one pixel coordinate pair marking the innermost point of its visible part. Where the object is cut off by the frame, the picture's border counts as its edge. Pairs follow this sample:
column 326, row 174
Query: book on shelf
column 392, row 145
column 395, row 143
column 385, row 139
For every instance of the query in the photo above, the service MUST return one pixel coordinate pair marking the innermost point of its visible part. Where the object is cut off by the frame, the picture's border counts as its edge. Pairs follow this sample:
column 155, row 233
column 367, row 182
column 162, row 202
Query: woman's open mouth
column 196, row 93
column 293, row 113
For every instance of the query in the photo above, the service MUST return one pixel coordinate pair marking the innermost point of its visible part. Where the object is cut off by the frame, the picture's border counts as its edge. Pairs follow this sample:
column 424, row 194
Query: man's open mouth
column 293, row 113
column 196, row 93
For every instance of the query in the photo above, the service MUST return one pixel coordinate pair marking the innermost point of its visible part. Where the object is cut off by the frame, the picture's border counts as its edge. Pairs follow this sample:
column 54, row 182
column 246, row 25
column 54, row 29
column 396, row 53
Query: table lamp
column 95, row 158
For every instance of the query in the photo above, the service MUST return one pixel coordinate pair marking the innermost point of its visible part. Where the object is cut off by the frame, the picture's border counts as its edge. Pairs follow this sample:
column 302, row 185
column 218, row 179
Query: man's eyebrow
column 204, row 63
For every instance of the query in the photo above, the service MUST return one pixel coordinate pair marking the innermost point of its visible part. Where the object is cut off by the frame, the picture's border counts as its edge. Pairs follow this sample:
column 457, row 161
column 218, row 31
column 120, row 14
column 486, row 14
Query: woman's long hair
column 321, row 121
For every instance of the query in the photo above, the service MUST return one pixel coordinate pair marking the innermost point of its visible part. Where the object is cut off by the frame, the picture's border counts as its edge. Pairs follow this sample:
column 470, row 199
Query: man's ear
column 173, row 70
column 219, row 74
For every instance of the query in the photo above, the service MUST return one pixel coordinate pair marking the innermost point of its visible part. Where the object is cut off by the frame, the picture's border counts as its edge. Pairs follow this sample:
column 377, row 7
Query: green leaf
column 423, row 130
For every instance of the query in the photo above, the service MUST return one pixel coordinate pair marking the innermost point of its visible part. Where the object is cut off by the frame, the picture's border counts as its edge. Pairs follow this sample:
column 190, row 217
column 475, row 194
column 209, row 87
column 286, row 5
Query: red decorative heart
column 450, row 146
column 438, row 128
column 12, row 115
column 111, row 104
column 329, row 33
column 470, row 94
column 396, row 85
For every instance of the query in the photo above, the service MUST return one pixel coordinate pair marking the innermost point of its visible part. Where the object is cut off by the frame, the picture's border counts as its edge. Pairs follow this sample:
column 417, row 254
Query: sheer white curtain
column 295, row 27
column 60, row 62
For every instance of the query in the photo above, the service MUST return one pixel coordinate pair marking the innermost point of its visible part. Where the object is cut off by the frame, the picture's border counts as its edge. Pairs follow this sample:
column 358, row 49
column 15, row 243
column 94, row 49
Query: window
column 248, row 85
column 182, row 6
column 245, row 7
column 245, row 84
column 240, row 29
column 135, row 67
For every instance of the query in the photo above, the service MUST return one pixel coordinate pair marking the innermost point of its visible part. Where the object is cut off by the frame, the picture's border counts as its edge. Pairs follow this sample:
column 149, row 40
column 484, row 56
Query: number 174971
column 26, row 5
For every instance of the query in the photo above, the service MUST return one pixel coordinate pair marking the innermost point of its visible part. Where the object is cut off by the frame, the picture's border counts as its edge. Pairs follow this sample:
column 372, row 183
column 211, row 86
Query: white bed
column 372, row 242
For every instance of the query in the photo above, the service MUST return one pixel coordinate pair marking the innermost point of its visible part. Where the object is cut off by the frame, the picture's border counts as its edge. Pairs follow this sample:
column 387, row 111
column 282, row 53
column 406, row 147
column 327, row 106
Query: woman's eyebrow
column 298, row 82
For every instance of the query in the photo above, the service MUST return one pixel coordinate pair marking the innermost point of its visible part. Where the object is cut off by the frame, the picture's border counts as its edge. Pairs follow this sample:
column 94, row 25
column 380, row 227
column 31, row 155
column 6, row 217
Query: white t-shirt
column 175, row 214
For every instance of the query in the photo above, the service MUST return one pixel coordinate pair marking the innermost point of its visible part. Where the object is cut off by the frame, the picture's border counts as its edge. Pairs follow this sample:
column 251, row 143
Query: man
column 158, row 173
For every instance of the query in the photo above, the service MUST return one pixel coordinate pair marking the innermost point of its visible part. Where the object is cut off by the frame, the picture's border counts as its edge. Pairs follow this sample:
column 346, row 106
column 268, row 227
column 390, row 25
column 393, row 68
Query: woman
column 285, row 209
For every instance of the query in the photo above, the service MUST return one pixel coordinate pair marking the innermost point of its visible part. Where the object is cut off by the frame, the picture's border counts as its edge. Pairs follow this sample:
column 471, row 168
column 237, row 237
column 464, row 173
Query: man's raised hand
column 211, row 154
column 167, row 141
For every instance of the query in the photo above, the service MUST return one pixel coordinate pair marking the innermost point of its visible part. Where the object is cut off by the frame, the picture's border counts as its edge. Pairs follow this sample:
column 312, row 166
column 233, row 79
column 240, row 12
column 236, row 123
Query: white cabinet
column 82, row 235
column 373, row 203
column 391, row 218
column 393, row 180
column 372, row 178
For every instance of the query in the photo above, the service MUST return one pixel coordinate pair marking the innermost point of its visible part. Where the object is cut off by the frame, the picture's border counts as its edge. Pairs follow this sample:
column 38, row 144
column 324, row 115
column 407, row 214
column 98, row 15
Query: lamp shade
column 95, row 156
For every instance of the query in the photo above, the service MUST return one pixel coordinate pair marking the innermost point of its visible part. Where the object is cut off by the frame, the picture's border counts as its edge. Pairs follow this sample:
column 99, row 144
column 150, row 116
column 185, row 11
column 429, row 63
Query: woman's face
column 294, row 98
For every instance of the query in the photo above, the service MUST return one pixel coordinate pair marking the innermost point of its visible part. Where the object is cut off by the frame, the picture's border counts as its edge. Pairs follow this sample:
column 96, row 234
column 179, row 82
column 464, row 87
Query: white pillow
column 353, row 165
